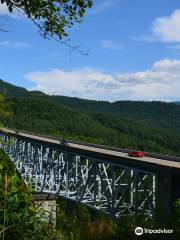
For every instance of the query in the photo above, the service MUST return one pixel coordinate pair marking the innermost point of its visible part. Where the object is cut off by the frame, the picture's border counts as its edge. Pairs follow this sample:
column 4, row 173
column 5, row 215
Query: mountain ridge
column 151, row 126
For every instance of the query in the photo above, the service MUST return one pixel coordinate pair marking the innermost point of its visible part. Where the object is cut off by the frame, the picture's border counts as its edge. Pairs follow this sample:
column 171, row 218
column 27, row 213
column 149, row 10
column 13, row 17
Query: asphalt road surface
column 161, row 162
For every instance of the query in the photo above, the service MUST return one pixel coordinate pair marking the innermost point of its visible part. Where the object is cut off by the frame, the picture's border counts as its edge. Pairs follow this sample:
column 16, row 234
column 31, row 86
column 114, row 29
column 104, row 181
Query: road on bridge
column 96, row 150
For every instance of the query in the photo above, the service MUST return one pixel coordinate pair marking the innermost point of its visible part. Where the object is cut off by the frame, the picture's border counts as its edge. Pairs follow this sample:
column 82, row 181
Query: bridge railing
column 110, row 186
column 116, row 149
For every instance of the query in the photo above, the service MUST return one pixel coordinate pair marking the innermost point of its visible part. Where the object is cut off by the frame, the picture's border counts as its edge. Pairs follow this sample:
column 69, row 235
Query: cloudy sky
column 134, row 53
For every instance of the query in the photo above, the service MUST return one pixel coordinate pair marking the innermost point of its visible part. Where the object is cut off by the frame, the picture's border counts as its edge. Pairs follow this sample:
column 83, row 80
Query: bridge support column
column 47, row 202
column 168, row 191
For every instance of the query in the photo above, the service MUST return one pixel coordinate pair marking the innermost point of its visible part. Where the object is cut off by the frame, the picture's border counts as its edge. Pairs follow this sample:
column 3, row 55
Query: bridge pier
column 168, row 191
column 46, row 202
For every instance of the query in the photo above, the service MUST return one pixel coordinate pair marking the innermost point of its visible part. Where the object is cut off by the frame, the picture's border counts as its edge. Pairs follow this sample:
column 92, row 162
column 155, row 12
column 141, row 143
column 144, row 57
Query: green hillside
column 158, row 113
column 151, row 126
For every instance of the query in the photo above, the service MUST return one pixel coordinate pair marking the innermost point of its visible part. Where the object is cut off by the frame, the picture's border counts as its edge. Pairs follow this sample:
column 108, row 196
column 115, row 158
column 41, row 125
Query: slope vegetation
column 150, row 126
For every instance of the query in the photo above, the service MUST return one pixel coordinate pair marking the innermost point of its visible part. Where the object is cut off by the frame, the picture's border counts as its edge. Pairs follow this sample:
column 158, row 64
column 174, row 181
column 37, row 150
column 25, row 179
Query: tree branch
column 52, row 18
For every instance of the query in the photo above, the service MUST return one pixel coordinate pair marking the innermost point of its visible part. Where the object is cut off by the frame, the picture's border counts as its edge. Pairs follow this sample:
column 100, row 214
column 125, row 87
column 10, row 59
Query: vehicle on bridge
column 64, row 142
column 136, row 154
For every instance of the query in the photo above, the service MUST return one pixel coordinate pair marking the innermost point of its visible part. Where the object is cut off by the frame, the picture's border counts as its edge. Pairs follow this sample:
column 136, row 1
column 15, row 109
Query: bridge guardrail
column 116, row 149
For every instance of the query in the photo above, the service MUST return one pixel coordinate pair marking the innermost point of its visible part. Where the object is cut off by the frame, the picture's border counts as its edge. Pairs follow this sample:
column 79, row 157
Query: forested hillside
column 151, row 126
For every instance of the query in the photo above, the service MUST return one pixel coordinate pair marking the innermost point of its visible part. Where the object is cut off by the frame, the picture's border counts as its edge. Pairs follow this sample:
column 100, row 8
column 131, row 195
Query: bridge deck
column 96, row 150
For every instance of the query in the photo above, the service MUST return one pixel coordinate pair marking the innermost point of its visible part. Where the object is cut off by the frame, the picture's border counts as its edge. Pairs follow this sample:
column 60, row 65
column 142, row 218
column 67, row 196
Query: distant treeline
column 149, row 126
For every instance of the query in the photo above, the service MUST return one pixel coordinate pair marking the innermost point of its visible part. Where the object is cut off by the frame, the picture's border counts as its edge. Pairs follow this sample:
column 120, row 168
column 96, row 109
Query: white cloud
column 108, row 44
column 164, row 29
column 144, row 37
column 160, row 82
column 167, row 29
column 11, row 44
column 101, row 6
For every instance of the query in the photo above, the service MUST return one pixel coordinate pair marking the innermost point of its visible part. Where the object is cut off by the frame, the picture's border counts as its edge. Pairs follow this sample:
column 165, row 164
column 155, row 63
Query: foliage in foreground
column 19, row 218
column 78, row 222
column 51, row 17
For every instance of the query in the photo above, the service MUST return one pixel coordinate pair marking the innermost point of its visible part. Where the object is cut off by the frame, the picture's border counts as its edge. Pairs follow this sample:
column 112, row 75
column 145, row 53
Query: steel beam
column 114, row 188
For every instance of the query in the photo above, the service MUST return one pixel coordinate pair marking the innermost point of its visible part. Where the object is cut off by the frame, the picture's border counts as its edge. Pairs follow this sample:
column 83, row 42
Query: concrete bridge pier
column 47, row 203
column 168, row 191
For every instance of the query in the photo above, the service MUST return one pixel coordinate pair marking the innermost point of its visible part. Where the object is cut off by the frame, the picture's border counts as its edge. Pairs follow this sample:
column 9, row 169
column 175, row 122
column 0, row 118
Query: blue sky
column 134, row 53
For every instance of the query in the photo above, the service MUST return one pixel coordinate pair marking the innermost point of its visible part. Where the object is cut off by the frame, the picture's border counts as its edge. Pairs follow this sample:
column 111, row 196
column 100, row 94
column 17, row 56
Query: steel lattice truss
column 112, row 188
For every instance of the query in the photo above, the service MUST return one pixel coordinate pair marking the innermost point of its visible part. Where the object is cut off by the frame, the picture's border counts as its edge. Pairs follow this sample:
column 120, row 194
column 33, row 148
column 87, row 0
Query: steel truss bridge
column 103, row 178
